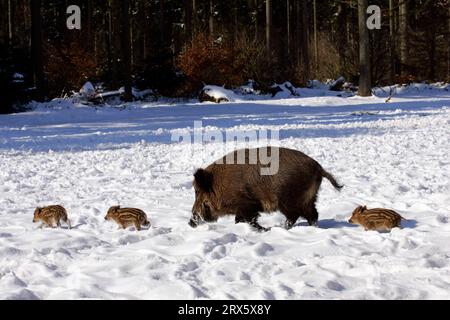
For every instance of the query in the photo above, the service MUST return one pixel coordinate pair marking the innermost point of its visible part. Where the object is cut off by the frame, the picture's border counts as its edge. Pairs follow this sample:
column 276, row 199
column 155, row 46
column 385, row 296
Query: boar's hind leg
column 292, row 214
column 288, row 224
column 291, row 218
column 252, row 220
column 313, row 215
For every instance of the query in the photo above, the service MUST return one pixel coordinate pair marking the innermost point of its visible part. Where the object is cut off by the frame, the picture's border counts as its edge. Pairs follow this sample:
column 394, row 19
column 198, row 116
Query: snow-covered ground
column 393, row 155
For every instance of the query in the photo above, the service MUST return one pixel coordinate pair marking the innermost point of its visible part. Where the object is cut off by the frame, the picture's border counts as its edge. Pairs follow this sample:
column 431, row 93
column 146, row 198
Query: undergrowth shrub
column 225, row 62
column 68, row 67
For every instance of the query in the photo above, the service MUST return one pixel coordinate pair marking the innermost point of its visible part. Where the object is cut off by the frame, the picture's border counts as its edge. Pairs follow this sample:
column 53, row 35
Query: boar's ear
column 204, row 180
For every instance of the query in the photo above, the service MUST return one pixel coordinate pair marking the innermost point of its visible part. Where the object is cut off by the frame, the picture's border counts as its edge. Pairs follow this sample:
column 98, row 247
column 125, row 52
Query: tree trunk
column 211, row 18
column 392, row 40
column 108, row 36
column 132, row 39
column 364, row 51
column 305, row 40
column 36, row 49
column 256, row 20
column 162, row 27
column 194, row 17
column 235, row 24
column 95, row 49
column 3, row 28
column 126, row 48
column 297, row 32
column 269, row 27
column 187, row 4
column 432, row 56
column 316, row 48
column 10, row 27
column 27, row 19
column 89, row 38
column 139, row 31
column 448, row 49
column 114, row 41
column 403, row 30
column 288, row 27
column 342, row 37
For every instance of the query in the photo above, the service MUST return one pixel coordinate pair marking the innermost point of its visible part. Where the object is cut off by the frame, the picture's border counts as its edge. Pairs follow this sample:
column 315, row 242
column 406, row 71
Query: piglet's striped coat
column 376, row 219
column 125, row 217
column 51, row 216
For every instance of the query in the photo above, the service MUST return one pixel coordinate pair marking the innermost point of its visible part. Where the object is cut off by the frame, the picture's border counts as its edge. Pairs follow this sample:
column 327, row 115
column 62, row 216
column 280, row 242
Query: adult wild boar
column 240, row 185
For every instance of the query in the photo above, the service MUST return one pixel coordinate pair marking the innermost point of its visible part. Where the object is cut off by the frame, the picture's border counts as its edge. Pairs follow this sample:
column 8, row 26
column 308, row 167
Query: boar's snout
column 193, row 223
column 195, row 220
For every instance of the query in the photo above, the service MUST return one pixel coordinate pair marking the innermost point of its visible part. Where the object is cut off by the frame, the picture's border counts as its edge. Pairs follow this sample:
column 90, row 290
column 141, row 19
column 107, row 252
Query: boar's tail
column 333, row 181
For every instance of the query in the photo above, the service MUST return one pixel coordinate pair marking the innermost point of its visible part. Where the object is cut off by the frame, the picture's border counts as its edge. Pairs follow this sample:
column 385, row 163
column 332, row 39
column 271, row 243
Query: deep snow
column 391, row 155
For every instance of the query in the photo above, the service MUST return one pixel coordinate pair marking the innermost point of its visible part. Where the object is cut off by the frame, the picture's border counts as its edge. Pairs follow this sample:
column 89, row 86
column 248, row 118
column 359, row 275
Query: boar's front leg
column 252, row 220
column 288, row 224
column 254, row 223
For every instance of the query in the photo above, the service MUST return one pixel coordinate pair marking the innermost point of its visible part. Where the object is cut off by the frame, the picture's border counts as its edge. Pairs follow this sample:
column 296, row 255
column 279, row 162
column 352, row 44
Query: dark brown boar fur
column 240, row 189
